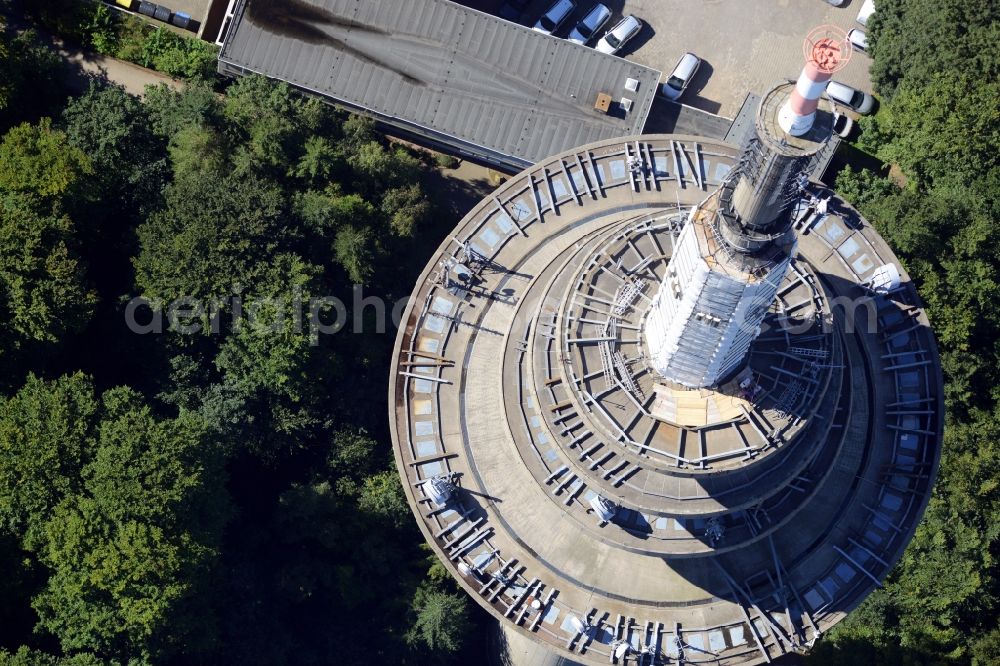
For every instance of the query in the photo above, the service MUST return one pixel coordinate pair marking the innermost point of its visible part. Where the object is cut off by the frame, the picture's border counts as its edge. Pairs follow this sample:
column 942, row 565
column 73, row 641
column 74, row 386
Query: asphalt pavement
column 746, row 46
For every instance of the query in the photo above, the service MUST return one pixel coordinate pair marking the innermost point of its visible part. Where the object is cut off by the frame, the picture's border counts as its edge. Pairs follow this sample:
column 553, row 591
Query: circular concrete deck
column 749, row 518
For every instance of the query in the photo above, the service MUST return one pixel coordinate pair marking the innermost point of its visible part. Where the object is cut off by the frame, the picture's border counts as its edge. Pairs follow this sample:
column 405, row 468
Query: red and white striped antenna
column 826, row 50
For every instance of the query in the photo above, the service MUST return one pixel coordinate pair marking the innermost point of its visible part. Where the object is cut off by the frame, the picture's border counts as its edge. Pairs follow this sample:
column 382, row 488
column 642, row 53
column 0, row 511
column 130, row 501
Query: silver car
column 616, row 38
column 552, row 19
column 858, row 39
column 681, row 76
column 590, row 24
column 859, row 101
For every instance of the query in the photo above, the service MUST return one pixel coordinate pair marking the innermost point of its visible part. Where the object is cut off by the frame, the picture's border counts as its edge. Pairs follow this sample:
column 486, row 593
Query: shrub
column 136, row 41
column 102, row 30
column 446, row 161
column 187, row 58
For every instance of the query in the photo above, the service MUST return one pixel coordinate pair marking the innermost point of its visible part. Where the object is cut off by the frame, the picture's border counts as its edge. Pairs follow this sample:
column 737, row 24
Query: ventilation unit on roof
column 603, row 103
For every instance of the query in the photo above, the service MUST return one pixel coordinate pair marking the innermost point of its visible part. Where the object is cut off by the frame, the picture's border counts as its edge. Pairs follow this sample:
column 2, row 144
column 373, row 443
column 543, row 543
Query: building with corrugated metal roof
column 444, row 75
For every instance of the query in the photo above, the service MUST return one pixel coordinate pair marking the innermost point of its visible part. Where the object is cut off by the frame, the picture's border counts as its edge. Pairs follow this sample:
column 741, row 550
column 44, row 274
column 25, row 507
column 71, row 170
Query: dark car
column 513, row 10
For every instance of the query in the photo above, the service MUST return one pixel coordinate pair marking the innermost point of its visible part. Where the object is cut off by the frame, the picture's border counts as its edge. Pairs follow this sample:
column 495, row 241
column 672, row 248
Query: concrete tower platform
column 609, row 515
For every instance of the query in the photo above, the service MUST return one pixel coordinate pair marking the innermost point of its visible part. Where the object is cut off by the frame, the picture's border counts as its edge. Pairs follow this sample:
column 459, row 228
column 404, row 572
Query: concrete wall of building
column 509, row 648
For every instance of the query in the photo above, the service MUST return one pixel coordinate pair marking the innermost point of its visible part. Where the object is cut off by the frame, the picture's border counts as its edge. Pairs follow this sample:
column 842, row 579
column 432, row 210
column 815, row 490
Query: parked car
column 590, row 24
column 843, row 125
column 552, row 19
column 861, row 102
column 866, row 11
column 681, row 76
column 858, row 39
column 836, row 3
column 619, row 35
column 513, row 10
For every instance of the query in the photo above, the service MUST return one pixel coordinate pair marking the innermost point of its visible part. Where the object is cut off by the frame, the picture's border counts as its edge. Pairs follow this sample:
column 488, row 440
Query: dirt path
column 84, row 67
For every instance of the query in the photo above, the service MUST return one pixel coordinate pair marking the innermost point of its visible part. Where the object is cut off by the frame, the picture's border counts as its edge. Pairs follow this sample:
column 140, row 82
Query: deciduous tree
column 46, row 439
column 38, row 159
column 130, row 552
column 43, row 288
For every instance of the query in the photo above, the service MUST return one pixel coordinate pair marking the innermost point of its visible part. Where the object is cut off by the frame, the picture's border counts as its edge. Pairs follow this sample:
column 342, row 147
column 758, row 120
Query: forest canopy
column 221, row 496
column 936, row 68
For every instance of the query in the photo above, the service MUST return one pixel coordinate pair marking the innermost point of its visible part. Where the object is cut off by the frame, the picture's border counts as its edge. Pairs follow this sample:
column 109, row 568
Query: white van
column 867, row 9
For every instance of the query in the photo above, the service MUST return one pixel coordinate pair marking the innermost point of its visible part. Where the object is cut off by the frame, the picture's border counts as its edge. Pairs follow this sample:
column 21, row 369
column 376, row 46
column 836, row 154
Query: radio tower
column 737, row 245
column 603, row 460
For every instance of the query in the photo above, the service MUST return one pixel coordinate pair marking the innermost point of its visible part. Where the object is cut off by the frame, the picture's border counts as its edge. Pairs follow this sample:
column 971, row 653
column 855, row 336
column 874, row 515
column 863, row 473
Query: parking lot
column 745, row 45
